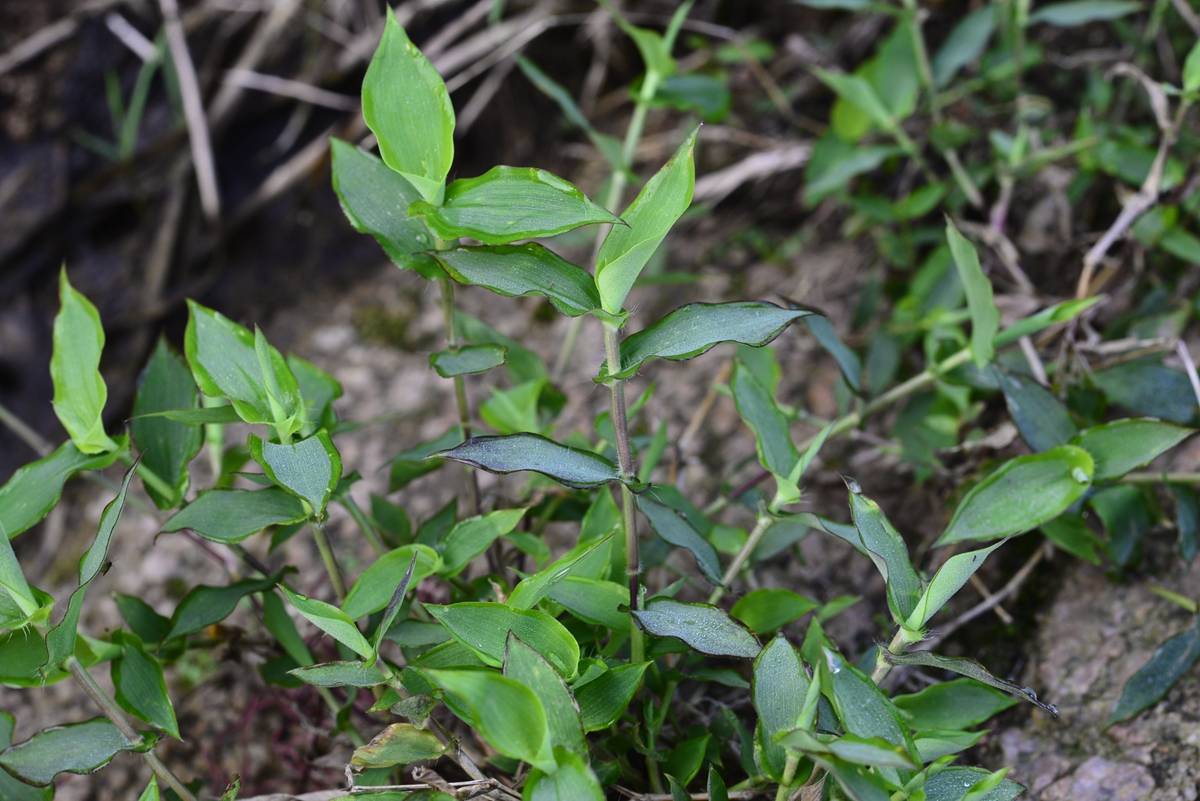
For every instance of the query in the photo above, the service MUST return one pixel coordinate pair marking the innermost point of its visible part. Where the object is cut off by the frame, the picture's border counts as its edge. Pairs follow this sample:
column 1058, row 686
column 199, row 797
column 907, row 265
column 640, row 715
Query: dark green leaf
column 1122, row 445
column 167, row 447
column 766, row 610
column 971, row 669
column 413, row 463
column 467, row 360
column 863, row 709
column 531, row 452
column 34, row 489
column 398, row 744
column 675, row 529
column 75, row 748
column 875, row 537
column 758, row 410
column 949, row 579
column 1187, row 520
column 233, row 515
column 1040, row 417
column 707, row 95
column 203, row 605
column 695, row 328
column 1070, row 532
column 1127, row 518
column 79, row 389
column 507, row 204
column 705, row 628
column 141, row 618
column 471, row 537
column 1169, row 662
column 141, row 689
column 605, row 698
column 1149, row 387
column 954, row 783
column 309, row 469
column 378, row 582
column 484, row 628
column 526, row 665
column 519, row 270
column 847, row 360
column 319, row 390
column 11, row 789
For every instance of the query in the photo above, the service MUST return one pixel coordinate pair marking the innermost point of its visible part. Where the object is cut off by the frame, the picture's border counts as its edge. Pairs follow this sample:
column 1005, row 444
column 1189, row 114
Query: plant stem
column 789, row 775
column 330, row 561
column 760, row 528
column 1150, row 477
column 625, row 465
column 882, row 666
column 460, row 388
column 364, row 524
column 113, row 712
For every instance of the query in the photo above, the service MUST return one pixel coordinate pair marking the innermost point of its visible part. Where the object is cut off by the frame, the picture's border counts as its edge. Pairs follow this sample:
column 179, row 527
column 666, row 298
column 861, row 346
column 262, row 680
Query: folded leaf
column 233, row 515
column 1169, row 662
column 525, row 664
column 874, row 536
column 518, row 270
column 1122, row 445
column 79, row 389
column 506, row 204
column 309, row 469
column 535, row 453
column 695, row 328
column 466, row 360
column 675, row 529
column 331, row 620
column 34, row 489
column 75, row 748
column 702, row 626
column 1022, row 494
column 949, row 579
column 166, row 447
column 484, row 628
column 985, row 317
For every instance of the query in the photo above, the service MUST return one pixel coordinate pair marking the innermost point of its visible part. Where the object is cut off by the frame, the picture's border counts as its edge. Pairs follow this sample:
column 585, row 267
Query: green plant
column 566, row 670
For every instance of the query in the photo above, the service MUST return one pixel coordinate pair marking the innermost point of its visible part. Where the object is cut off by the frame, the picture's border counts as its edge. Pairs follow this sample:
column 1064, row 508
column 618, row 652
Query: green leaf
column 702, row 626
column 835, row 162
column 360, row 179
column 503, row 711
column 827, row 337
column 204, row 605
column 233, row 515
column 331, row 620
column 309, row 469
column 60, row 640
column 14, row 584
column 707, row 95
column 520, row 270
column 1051, row 315
column 1150, row 388
column 863, row 709
column 1022, row 494
column 1081, row 12
column 484, row 628
column 75, row 748
column 1169, row 662
column 340, row 674
column 507, row 204
column 695, row 328
column 857, row 91
column 524, row 664
column 956, row 704
column 407, row 107
column 141, row 689
column 11, row 789
column 1191, row 69
column 593, row 600
column 778, row 691
column 1187, row 520
column 1069, row 532
column 79, row 389
column 33, row 490
column 964, row 45
column 378, row 582
column 586, row 558
column 1042, row 419
column 874, row 536
column 398, row 744
column 956, row 783
column 676, row 530
column 985, row 317
column 467, row 360
column 648, row 219
column 945, row 584
column 572, row 780
column 209, row 415
column 605, row 698
column 1122, row 445
column 151, row 792
column 471, row 537
column 228, row 361
column 532, row 452
column 873, row 751
column 969, row 668
column 768, row 609
column 166, row 447
column 283, row 629
column 515, row 410
column 758, row 410
column 318, row 390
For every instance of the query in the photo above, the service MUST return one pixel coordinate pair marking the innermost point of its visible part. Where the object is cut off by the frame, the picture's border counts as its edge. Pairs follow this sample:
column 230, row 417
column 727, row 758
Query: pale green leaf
column 1081, row 12
column 946, row 582
column 233, row 515
column 571, row 780
column 526, row 665
column 141, row 688
column 309, row 469
column 79, row 389
column 378, row 582
column 331, row 620
column 985, row 317
column 767, row 609
column 340, row 674
column 1123, row 445
column 33, row 490
column 605, row 698
column 471, row 537
column 466, row 360
column 969, row 668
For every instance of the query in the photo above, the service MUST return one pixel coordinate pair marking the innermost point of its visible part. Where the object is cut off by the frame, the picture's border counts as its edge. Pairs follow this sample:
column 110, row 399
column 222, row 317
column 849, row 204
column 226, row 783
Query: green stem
column 789, row 775
column 1150, row 477
column 882, row 666
column 731, row 572
column 330, row 561
column 364, row 524
column 113, row 712
column 460, row 387
column 625, row 465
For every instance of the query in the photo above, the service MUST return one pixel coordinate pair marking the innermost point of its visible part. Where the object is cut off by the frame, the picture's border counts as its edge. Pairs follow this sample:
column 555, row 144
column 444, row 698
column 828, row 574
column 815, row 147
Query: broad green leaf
column 472, row 536
column 503, row 711
column 768, row 609
column 75, row 748
column 141, row 689
column 778, row 691
column 956, row 704
column 33, row 490
column 985, row 317
column 79, row 389
column 954, row 783
column 684, row 761
column 331, row 620
column 415, row 462
column 1081, row 12
column 1122, row 445
column 484, row 628
column 676, row 530
column 519, row 270
column 515, row 410
column 407, row 107
column 340, row 674
column 695, row 328
column 167, row 447
column 233, row 515
column 507, row 204
column 378, row 582
column 1069, row 532
column 22, row 655
column 605, row 698
column 969, row 668
column 874, row 536
column 593, row 600
column 1169, row 662
column 11, row 789
column 572, row 780
column 705, row 628
column 466, row 360
column 937, row 743
column 1148, row 387
column 587, row 558
column 1042, row 419
column 847, row 360
column 398, row 744
column 1021, row 495
column 965, row 44
column 857, row 91
column 532, row 452
column 228, row 361
column 861, row 707
column 949, row 579
column 648, row 219
column 204, row 605
column 360, row 179
column 309, row 469
column 524, row 664
column 522, row 365
column 60, row 640
column 758, row 410
column 706, row 94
